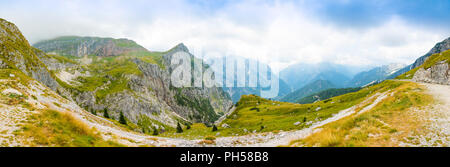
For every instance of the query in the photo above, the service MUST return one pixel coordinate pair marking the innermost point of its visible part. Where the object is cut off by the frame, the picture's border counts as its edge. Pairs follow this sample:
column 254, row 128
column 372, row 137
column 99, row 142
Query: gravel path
column 284, row 138
column 436, row 118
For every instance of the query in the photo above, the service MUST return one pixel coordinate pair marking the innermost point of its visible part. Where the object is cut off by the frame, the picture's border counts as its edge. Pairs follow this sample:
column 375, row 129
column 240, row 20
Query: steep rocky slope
column 113, row 76
column 16, row 53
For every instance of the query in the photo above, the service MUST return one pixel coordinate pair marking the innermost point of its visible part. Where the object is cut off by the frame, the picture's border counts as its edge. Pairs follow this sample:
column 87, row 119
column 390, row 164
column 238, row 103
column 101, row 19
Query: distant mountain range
column 241, row 86
column 302, row 77
column 299, row 75
column 376, row 74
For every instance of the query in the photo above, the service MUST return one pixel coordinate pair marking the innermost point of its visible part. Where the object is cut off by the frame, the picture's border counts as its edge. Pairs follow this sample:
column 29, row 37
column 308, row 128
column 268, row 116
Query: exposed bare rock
column 438, row 74
column 438, row 48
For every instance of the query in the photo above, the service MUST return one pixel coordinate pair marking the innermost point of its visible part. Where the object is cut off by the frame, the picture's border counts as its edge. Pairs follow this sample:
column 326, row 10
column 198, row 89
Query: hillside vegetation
column 388, row 124
column 52, row 128
column 308, row 89
column 326, row 94
column 432, row 60
column 256, row 114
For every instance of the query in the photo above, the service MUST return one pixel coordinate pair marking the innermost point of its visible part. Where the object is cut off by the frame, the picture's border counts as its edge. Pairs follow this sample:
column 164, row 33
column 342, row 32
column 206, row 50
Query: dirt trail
column 284, row 138
column 436, row 118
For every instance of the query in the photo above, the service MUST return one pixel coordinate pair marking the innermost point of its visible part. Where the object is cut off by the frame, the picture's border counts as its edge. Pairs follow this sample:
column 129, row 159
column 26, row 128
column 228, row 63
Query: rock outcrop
column 438, row 74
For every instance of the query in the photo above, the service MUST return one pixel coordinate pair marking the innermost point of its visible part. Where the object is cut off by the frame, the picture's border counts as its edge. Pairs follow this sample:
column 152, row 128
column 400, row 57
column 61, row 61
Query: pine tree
column 179, row 129
column 105, row 113
column 214, row 128
column 155, row 132
column 122, row 119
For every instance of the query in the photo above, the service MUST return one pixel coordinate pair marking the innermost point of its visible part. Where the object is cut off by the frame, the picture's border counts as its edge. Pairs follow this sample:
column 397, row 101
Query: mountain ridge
column 308, row 89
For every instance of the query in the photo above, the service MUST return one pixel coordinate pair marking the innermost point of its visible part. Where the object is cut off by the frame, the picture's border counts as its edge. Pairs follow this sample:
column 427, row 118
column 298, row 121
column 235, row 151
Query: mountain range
column 241, row 86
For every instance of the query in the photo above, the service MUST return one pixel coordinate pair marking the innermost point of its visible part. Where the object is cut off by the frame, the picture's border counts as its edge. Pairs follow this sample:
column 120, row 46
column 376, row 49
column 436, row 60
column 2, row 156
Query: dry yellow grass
column 210, row 142
column 57, row 129
column 385, row 125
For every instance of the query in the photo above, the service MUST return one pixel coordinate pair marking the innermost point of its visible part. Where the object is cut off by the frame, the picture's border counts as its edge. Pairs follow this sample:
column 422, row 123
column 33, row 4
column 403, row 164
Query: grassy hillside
column 377, row 127
column 432, row 60
column 326, row 94
column 255, row 114
column 308, row 89
column 56, row 129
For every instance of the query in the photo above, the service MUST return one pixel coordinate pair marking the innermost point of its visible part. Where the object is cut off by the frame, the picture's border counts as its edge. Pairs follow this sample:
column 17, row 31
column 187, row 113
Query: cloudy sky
column 351, row 32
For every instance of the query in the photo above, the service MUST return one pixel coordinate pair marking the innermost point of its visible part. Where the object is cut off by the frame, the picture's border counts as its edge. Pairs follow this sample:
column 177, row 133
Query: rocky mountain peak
column 178, row 48
column 9, row 30
column 440, row 47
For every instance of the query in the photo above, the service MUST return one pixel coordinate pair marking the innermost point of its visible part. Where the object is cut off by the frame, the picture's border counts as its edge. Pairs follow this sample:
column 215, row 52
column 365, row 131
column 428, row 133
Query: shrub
column 204, row 142
column 214, row 128
column 105, row 113
column 155, row 132
column 210, row 138
column 122, row 119
column 188, row 126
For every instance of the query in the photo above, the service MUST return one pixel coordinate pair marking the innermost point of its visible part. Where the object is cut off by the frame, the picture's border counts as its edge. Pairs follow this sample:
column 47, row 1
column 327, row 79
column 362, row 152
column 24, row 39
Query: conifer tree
column 105, row 113
column 179, row 129
column 122, row 119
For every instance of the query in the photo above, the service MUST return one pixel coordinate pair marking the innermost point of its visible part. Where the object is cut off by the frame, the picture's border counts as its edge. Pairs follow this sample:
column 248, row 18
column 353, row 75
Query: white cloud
column 278, row 33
